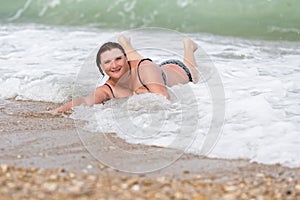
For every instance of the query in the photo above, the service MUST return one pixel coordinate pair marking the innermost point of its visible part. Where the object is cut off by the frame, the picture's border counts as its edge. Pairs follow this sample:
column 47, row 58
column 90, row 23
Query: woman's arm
column 100, row 95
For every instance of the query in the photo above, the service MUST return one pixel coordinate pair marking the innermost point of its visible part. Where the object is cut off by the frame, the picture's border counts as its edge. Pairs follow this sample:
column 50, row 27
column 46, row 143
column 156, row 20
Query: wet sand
column 43, row 157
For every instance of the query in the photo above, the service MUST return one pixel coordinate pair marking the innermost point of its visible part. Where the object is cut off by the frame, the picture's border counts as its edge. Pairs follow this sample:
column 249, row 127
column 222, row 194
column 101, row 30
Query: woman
column 130, row 73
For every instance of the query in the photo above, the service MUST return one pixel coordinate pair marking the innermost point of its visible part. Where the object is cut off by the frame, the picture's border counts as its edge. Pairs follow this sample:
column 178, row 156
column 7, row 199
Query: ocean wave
column 250, row 19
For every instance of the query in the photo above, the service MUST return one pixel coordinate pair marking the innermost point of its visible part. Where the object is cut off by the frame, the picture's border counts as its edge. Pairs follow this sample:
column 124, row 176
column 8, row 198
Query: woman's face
column 114, row 63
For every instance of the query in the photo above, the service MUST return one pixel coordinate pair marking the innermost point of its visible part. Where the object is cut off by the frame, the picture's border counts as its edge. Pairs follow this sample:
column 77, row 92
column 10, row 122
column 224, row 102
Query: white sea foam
column 39, row 63
column 260, row 79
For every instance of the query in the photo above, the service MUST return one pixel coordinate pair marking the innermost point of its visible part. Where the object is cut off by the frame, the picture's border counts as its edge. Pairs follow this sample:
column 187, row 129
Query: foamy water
column 260, row 79
column 41, row 63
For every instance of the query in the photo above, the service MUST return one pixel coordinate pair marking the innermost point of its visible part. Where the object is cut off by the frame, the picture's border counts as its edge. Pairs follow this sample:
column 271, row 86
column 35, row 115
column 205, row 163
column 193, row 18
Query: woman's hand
column 98, row 96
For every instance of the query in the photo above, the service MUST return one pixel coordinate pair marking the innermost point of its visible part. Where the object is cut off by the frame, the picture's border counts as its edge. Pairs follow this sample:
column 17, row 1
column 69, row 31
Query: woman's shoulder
column 105, row 89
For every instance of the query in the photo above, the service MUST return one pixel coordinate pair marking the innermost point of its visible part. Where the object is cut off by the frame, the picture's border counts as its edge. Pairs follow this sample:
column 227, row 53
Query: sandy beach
column 42, row 157
column 246, row 100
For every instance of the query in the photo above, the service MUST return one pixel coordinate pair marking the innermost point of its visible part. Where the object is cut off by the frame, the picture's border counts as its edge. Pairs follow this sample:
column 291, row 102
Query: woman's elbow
column 163, row 92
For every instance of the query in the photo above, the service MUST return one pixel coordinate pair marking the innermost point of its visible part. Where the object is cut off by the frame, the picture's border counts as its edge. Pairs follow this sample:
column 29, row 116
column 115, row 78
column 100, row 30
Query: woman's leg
column 131, row 53
column 177, row 75
column 189, row 59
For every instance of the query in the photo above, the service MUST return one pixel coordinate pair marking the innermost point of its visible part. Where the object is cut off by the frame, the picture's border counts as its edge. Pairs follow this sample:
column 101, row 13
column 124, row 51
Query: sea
column 245, row 105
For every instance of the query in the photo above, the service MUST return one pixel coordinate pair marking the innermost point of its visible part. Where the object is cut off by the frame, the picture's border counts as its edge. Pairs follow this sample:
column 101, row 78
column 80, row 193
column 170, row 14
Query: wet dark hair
column 107, row 47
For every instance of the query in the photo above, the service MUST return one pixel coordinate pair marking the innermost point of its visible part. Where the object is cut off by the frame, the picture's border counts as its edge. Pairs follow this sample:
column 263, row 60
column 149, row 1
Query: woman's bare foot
column 189, row 59
column 190, row 44
column 131, row 53
column 124, row 40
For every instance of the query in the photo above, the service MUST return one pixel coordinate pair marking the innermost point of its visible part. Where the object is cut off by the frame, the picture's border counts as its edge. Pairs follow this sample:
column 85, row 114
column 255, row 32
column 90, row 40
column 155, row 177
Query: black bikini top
column 138, row 73
column 139, row 77
column 112, row 92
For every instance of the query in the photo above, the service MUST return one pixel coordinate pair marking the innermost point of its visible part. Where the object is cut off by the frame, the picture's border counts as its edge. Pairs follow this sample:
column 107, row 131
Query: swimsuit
column 180, row 64
column 138, row 67
column 171, row 61
column 112, row 92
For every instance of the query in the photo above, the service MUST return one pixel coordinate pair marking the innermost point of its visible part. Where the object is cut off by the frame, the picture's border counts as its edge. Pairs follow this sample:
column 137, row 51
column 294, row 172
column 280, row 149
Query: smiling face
column 114, row 63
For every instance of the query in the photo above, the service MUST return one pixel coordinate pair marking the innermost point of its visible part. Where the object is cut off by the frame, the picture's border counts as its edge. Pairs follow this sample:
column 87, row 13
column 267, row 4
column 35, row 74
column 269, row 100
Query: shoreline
column 43, row 157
